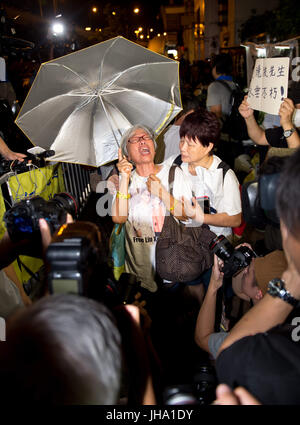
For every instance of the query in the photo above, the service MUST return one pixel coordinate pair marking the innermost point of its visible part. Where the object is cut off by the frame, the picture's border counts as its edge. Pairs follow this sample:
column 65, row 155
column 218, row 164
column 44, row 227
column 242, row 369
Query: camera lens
column 221, row 247
column 66, row 202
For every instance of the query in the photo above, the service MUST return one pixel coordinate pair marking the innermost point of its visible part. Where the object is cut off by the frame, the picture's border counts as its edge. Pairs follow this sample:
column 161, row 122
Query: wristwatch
column 288, row 133
column 276, row 288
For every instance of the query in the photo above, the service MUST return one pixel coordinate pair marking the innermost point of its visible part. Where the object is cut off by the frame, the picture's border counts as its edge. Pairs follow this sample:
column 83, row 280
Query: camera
column 259, row 196
column 200, row 392
column 73, row 257
column 234, row 259
column 37, row 160
column 22, row 220
column 259, row 201
column 77, row 263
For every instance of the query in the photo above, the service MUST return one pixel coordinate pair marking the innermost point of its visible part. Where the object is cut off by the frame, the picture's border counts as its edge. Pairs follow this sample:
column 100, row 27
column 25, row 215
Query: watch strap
column 276, row 288
column 289, row 132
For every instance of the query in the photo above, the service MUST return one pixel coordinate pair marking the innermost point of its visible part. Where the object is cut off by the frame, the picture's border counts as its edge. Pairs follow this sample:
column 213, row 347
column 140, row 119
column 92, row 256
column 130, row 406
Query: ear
column 210, row 147
column 258, row 294
column 284, row 231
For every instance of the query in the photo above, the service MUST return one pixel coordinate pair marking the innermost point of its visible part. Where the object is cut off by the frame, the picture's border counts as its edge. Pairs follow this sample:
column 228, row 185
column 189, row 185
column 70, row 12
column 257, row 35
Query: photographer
column 80, row 344
column 263, row 339
column 12, row 294
column 250, row 284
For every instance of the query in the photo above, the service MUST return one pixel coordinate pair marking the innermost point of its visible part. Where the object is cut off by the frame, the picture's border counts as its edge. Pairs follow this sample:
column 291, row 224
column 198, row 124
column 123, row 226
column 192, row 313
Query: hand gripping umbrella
column 80, row 104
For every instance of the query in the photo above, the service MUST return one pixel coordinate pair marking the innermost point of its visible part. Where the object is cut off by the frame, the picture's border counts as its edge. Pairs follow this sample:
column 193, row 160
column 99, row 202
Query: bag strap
column 224, row 84
column 178, row 161
column 171, row 177
column 225, row 167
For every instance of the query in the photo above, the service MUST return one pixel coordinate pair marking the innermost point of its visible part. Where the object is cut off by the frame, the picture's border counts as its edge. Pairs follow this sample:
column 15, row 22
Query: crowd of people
column 103, row 355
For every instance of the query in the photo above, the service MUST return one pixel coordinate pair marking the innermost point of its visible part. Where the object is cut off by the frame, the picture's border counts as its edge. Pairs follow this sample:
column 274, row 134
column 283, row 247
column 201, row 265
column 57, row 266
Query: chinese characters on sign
column 269, row 84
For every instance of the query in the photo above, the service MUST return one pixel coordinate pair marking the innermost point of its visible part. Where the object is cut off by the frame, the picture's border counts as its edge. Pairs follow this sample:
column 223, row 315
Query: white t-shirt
column 218, row 94
column 224, row 195
column 145, row 221
column 10, row 297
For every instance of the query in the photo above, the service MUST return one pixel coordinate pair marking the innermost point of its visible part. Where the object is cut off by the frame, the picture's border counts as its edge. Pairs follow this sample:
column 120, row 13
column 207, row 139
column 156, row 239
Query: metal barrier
column 77, row 183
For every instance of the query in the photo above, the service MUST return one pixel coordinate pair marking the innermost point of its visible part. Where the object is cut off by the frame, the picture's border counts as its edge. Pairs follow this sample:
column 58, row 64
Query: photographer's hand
column 244, row 244
column 206, row 317
column 9, row 154
column 237, row 397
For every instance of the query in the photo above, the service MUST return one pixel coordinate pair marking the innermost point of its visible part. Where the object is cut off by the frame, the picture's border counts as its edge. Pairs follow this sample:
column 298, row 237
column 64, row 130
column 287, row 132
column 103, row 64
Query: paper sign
column 269, row 84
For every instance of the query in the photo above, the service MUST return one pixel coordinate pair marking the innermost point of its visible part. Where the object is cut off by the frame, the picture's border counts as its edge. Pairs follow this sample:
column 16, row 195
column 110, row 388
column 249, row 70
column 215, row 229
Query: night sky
column 78, row 11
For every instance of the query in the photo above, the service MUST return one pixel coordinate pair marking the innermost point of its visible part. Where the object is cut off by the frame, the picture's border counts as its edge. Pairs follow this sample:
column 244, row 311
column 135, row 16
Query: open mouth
column 144, row 150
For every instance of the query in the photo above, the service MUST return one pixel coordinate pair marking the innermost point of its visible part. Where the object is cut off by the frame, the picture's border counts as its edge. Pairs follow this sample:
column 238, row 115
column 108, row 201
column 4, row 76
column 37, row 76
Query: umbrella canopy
column 80, row 104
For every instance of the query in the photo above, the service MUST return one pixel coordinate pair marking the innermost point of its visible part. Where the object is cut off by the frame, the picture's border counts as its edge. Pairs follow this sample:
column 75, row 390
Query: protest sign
column 269, row 84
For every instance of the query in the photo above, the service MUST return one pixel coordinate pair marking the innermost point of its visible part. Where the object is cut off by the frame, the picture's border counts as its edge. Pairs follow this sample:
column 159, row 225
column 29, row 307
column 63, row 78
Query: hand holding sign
column 286, row 112
column 269, row 83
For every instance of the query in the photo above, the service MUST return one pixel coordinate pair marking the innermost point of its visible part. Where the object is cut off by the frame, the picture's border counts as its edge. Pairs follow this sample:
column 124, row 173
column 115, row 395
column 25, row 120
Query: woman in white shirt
column 199, row 133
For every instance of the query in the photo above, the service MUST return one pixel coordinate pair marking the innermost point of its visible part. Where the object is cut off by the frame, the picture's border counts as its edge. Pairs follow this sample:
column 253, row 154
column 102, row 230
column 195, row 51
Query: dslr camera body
column 73, row 259
column 77, row 263
column 234, row 259
column 22, row 220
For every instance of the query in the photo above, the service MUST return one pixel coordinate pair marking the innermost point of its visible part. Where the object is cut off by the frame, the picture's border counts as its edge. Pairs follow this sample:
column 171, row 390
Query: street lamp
column 140, row 29
column 95, row 10
column 136, row 10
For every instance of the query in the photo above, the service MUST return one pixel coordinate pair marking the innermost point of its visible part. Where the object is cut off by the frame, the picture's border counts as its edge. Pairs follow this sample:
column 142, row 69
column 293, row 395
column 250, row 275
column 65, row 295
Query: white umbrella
column 80, row 104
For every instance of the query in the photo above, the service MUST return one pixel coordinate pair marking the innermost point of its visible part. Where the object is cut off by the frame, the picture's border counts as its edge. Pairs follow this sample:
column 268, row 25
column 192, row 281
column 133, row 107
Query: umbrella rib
column 73, row 72
column 132, row 68
column 101, row 66
column 108, row 119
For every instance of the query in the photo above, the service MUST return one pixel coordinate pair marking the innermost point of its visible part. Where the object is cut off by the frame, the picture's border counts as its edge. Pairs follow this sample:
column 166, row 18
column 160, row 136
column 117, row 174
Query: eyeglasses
column 138, row 138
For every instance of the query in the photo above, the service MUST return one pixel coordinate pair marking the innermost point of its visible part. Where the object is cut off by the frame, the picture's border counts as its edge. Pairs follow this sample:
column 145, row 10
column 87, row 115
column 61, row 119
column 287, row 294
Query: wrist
column 287, row 125
column 250, row 118
column 125, row 176
column 212, row 289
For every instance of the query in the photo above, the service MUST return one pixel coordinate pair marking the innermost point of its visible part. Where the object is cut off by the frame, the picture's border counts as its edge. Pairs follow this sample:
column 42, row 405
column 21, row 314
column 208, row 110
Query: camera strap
column 27, row 285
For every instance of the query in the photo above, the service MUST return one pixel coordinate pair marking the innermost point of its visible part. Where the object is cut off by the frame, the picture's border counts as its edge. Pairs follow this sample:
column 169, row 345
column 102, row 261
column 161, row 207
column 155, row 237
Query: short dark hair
column 288, row 194
column 223, row 64
column 201, row 124
column 63, row 349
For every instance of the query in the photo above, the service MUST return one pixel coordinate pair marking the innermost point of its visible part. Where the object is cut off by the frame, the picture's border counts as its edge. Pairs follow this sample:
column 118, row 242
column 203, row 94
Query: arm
column 269, row 312
column 286, row 112
column 213, row 101
column 8, row 154
column 217, row 110
column 223, row 219
column 255, row 132
column 120, row 205
column 206, row 316
column 195, row 212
